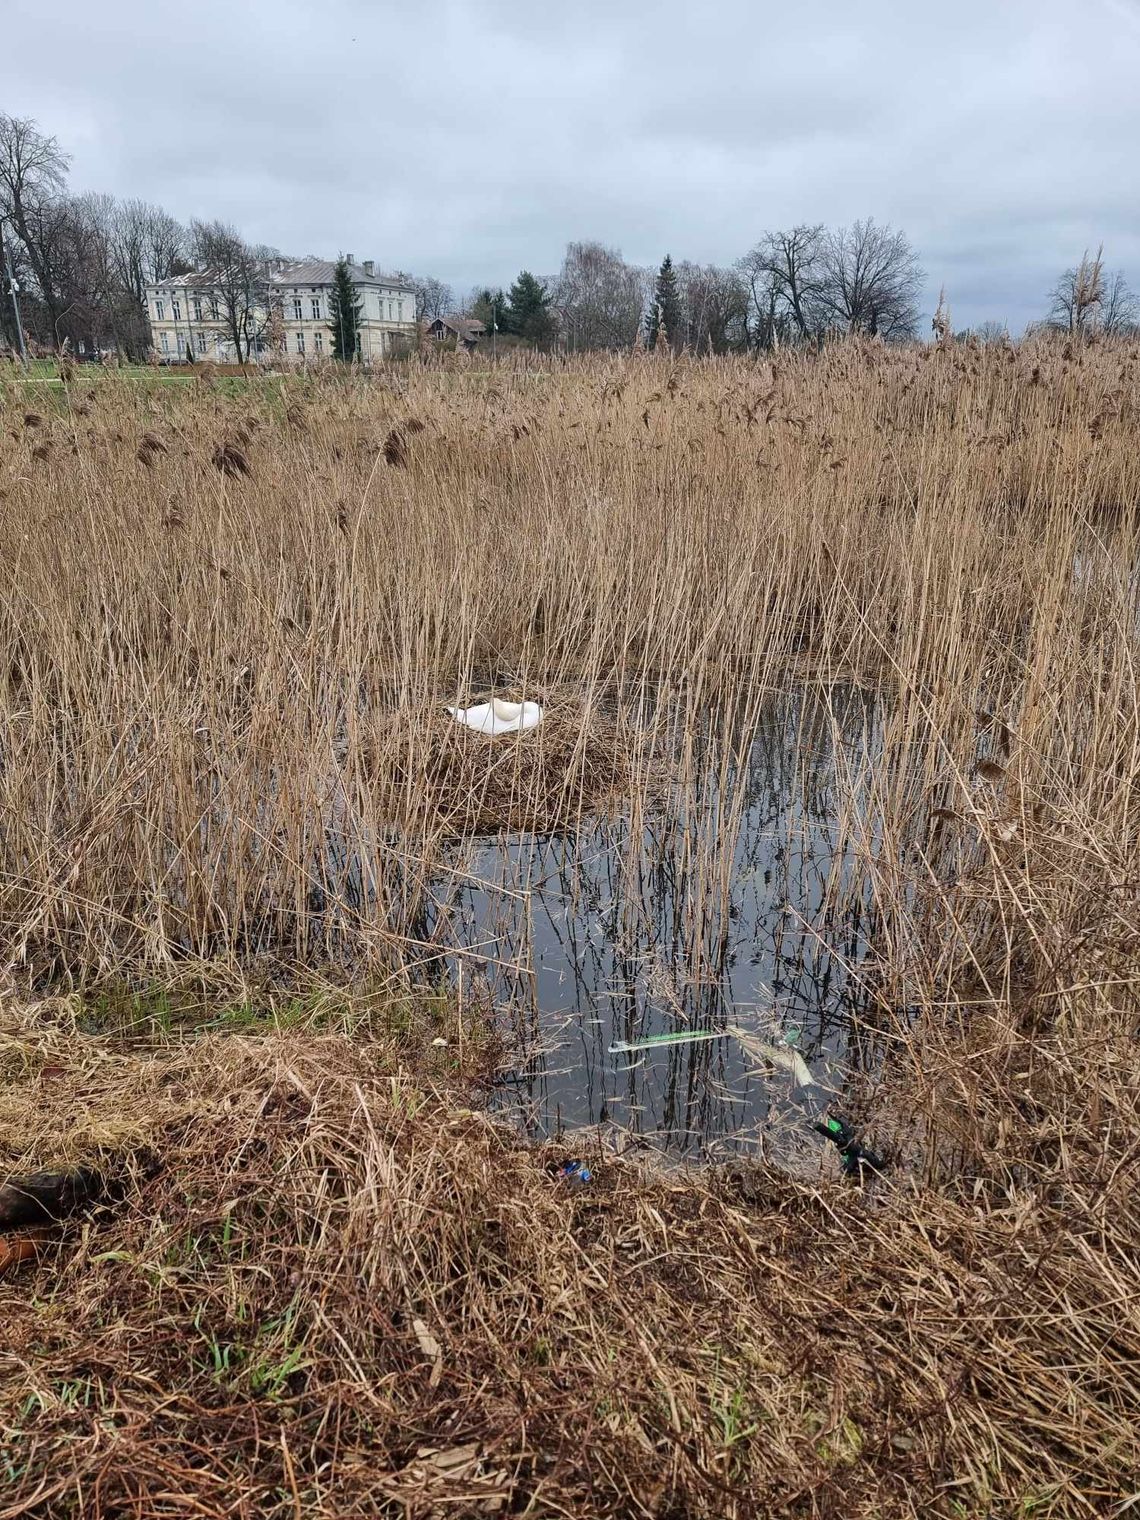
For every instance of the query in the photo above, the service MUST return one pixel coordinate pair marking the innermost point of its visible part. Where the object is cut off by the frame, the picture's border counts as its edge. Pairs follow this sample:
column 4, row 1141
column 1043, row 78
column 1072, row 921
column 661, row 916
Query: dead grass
column 331, row 1290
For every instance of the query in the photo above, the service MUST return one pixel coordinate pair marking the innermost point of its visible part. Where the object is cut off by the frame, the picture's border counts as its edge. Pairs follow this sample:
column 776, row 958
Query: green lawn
column 46, row 372
column 42, row 376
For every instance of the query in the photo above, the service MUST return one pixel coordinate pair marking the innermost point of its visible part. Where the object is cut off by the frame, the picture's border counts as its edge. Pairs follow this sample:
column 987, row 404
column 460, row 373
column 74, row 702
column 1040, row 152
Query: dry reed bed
column 195, row 661
column 206, row 665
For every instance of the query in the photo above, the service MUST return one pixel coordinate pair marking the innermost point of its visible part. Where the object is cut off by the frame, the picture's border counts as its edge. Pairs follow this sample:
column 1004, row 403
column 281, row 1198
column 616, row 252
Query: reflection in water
column 737, row 902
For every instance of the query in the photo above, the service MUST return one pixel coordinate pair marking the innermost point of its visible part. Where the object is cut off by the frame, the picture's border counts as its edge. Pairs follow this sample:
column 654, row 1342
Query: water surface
column 739, row 902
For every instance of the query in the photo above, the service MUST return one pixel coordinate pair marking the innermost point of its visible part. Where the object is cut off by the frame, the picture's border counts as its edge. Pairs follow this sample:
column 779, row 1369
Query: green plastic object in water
column 678, row 1037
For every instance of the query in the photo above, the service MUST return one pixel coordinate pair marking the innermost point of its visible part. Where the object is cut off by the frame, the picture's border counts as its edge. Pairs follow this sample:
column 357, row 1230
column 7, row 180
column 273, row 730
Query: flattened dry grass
column 331, row 1290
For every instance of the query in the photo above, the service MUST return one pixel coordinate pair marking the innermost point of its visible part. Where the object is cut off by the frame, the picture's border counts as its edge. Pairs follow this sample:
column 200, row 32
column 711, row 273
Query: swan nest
column 435, row 770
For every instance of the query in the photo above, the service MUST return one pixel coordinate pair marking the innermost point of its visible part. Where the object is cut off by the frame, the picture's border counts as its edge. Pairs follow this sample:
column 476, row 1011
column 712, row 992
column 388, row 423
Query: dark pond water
column 738, row 904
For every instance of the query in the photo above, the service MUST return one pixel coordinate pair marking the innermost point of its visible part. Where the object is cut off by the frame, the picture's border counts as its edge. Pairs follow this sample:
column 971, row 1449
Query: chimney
column 368, row 263
column 350, row 258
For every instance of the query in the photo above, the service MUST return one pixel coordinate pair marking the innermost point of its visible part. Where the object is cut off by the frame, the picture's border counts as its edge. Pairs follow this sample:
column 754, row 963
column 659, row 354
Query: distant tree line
column 798, row 286
column 81, row 264
column 792, row 287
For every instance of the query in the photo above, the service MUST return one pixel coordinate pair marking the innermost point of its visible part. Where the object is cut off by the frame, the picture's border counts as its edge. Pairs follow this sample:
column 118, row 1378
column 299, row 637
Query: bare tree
column 166, row 243
column 99, row 254
column 1089, row 299
column 434, row 298
column 599, row 297
column 86, row 260
column 1075, row 300
column 93, row 312
column 992, row 333
column 784, row 273
column 104, row 306
column 714, row 304
column 1119, row 307
column 235, row 275
column 870, row 281
column 33, row 174
column 145, row 245
column 70, row 274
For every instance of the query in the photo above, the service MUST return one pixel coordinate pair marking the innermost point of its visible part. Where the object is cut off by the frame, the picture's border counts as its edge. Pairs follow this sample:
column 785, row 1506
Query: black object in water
column 853, row 1155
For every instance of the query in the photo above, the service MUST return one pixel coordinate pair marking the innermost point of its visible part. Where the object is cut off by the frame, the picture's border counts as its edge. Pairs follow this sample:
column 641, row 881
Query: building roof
column 467, row 327
column 292, row 272
column 322, row 271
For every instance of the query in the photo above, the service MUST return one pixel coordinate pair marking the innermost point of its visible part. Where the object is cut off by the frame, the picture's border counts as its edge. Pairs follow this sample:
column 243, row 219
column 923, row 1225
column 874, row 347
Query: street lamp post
column 14, row 293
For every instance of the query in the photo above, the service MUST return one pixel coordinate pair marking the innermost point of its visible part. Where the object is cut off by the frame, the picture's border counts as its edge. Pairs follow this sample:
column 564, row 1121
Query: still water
column 739, row 903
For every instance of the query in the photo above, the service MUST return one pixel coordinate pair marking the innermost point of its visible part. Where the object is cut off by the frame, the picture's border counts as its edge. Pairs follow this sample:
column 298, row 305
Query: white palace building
column 288, row 318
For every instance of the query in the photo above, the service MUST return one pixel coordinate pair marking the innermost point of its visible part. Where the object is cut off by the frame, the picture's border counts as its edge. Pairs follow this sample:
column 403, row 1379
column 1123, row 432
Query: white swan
column 499, row 717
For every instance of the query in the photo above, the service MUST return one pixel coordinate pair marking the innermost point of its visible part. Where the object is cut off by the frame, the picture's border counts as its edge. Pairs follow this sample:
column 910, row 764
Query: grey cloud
column 469, row 138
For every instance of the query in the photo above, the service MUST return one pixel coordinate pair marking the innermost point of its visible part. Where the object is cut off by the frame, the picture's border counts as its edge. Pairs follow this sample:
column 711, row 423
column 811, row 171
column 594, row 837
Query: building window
column 197, row 310
column 391, row 307
column 297, row 308
column 177, row 309
column 165, row 343
column 315, row 303
column 200, row 342
column 319, row 342
column 400, row 311
column 300, row 343
column 214, row 307
column 159, row 309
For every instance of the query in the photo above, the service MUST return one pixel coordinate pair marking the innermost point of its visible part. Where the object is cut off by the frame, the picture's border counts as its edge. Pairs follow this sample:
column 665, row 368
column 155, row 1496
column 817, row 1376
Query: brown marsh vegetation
column 230, row 618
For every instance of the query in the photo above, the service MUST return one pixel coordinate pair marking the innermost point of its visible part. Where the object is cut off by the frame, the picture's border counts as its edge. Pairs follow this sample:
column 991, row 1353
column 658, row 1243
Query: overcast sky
column 471, row 138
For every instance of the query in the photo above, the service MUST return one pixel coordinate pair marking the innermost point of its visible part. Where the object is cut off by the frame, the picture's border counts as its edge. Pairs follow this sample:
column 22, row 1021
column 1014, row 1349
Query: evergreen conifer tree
column 528, row 310
column 344, row 313
column 665, row 310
